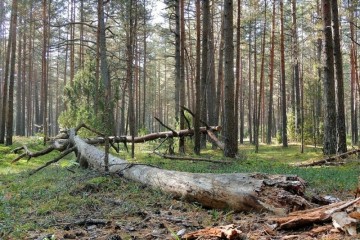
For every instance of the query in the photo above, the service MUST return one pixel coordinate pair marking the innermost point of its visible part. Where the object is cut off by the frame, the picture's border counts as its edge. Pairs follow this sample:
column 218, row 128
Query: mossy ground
column 59, row 195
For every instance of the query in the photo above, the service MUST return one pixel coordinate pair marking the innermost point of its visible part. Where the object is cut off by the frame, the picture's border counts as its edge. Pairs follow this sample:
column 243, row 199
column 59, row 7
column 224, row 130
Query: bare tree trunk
column 23, row 83
column 271, row 78
column 197, row 146
column 261, row 90
column 283, row 85
column 210, row 86
column 353, row 62
column 250, row 121
column 230, row 136
column 296, row 68
column 130, row 44
column 204, row 65
column 182, row 73
column 18, row 86
column 10, row 108
column 44, row 73
column 5, row 87
column 238, row 75
column 329, row 83
column 340, row 124
column 72, row 37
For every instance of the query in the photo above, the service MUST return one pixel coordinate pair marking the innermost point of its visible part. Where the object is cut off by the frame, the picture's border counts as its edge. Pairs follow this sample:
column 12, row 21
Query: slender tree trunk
column 44, row 73
column 82, row 19
column 182, row 73
column 296, row 68
column 211, row 86
column 318, row 95
column 23, row 83
column 177, row 59
column 197, row 83
column 271, row 78
column 238, row 106
column 250, row 129
column 340, row 124
column 144, row 70
column 255, row 119
column 6, row 86
column 261, row 90
column 204, row 66
column 30, row 86
column 230, row 136
column 130, row 44
column 353, row 63
column 220, row 76
column 18, row 86
column 329, row 83
column 72, row 37
column 10, row 106
column 107, row 111
column 283, row 82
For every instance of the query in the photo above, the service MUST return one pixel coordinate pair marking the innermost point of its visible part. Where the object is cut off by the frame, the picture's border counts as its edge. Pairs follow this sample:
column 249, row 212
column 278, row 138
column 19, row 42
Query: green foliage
column 80, row 99
column 291, row 130
column 4, row 149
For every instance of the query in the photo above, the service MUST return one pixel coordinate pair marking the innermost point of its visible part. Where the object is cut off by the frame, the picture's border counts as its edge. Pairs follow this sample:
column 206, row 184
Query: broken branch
column 63, row 154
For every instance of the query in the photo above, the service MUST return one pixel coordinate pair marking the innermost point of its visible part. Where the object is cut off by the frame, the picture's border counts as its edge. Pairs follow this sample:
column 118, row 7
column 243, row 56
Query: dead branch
column 311, row 216
column 213, row 138
column 83, row 125
column 151, row 136
column 62, row 155
column 167, row 127
column 327, row 160
column 45, row 151
column 193, row 114
column 189, row 158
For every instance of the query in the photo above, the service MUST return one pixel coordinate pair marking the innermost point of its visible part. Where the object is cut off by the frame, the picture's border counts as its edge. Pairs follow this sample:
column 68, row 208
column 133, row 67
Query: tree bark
column 329, row 83
column 182, row 73
column 197, row 146
column 230, row 136
column 10, row 109
column 271, row 78
column 283, row 85
column 340, row 124
column 261, row 85
column 296, row 70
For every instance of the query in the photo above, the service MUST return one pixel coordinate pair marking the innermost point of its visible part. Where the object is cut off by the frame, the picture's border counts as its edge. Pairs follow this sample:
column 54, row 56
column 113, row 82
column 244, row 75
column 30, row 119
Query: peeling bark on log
column 317, row 215
column 238, row 191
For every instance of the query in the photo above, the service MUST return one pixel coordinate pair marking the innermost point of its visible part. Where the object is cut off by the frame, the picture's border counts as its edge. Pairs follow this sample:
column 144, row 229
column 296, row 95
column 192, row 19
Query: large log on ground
column 238, row 191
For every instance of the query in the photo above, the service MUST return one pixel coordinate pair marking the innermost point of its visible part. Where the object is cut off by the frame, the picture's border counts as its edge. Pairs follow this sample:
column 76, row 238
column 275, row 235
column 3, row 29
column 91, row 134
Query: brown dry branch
column 329, row 160
column 309, row 217
column 62, row 155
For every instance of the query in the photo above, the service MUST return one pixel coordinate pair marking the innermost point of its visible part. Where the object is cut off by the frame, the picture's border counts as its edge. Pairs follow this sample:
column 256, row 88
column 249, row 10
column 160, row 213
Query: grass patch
column 56, row 196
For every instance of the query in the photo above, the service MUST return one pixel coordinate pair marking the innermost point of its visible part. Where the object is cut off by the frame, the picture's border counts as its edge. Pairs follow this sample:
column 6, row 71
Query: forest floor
column 65, row 202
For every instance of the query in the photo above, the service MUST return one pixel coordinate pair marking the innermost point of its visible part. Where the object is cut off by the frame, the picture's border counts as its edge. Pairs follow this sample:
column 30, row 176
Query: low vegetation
column 62, row 194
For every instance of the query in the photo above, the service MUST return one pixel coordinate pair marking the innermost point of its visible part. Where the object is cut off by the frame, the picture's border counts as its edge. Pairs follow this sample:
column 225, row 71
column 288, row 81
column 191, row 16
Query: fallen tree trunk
column 238, row 191
column 152, row 136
